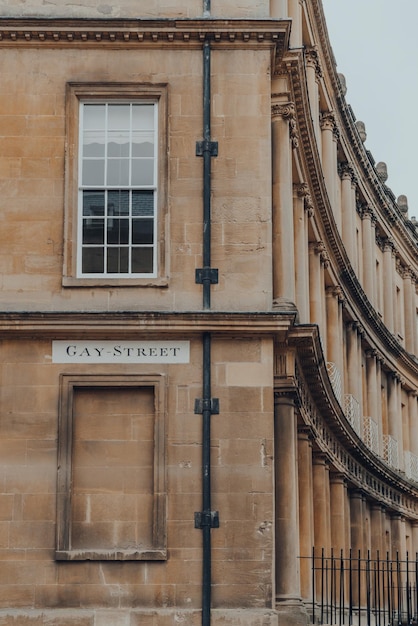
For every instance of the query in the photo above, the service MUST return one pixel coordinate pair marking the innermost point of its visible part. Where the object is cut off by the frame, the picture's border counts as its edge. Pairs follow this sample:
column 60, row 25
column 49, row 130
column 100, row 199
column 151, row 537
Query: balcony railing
column 335, row 379
column 390, row 451
column 411, row 466
column 352, row 411
column 371, row 434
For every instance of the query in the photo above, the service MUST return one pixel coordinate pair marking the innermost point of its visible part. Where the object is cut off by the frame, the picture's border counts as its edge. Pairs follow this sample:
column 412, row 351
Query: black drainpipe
column 207, row 406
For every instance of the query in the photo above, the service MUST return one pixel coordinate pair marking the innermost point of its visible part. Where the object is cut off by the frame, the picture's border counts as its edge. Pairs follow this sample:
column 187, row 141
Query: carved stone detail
column 329, row 122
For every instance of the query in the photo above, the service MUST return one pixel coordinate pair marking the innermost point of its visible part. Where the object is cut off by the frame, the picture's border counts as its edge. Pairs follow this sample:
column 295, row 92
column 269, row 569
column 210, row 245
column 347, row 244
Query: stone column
column 369, row 253
column 313, row 74
column 333, row 296
column 379, row 362
column 283, row 235
column 414, row 528
column 395, row 414
column 322, row 520
column 397, row 534
column 377, row 534
column 330, row 135
column 317, row 258
column 357, row 535
column 303, row 210
column 409, row 310
column 278, row 9
column 288, row 595
column 338, row 489
column 348, row 211
column 373, row 395
column 388, row 285
column 295, row 12
column 306, row 518
column 413, row 421
column 414, row 309
column 354, row 382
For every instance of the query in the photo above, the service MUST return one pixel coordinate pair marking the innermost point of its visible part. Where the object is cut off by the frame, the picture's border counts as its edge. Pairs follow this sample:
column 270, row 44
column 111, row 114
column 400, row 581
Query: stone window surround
column 68, row 384
column 106, row 92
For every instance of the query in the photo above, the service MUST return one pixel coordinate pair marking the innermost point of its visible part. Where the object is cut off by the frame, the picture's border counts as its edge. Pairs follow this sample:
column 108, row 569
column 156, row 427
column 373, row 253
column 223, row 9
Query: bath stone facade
column 208, row 323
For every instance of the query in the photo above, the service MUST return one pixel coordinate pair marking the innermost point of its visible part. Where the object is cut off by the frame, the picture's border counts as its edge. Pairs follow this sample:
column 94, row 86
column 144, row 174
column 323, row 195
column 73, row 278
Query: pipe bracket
column 207, row 146
column 206, row 518
column 206, row 404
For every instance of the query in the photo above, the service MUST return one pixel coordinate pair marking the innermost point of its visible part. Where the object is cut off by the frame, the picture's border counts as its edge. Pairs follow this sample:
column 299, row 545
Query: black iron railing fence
column 363, row 591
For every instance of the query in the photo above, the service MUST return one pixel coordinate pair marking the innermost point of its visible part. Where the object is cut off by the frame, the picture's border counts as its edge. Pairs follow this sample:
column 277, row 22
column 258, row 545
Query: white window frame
column 106, row 188
column 77, row 96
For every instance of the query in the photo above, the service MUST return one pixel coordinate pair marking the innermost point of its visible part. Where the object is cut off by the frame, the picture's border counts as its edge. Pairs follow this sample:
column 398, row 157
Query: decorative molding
column 132, row 32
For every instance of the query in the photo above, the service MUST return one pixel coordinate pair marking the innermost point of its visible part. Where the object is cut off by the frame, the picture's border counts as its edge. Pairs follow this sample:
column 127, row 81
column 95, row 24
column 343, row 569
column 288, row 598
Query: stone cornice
column 21, row 325
column 144, row 33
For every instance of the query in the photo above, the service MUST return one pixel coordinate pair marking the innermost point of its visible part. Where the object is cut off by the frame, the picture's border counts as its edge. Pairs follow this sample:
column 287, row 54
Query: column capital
column 320, row 249
column 335, row 291
column 346, row 172
column 287, row 111
column 366, row 212
column 312, row 60
column 305, row 432
column 302, row 191
column 328, row 122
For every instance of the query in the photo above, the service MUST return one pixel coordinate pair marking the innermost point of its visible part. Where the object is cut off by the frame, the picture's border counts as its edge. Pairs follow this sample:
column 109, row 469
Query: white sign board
column 120, row 351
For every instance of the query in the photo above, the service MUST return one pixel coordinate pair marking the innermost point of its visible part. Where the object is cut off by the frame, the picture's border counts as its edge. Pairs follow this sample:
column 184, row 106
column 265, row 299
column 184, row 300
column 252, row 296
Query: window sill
column 111, row 555
column 69, row 281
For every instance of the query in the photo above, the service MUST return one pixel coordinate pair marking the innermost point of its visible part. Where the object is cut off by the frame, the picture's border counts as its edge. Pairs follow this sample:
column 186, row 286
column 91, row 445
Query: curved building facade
column 208, row 325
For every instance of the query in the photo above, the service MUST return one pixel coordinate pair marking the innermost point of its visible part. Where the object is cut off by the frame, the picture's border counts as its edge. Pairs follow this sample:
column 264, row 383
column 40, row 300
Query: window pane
column 117, row 230
column 92, row 262
column 142, row 144
column 93, row 144
column 142, row 116
column 143, row 231
column 117, row 260
column 142, row 171
column 142, row 260
column 142, row 203
column 94, row 116
column 118, row 116
column 118, row 172
column 93, row 230
column 93, row 203
column 118, row 202
column 118, row 144
column 93, row 172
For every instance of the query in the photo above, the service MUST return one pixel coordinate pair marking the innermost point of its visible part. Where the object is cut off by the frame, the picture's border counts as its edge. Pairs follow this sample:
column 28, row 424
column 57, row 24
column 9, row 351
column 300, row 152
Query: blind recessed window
column 117, row 189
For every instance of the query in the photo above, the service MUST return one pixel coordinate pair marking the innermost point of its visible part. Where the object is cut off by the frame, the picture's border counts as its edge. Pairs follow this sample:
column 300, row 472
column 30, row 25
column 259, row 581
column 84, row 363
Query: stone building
column 208, row 327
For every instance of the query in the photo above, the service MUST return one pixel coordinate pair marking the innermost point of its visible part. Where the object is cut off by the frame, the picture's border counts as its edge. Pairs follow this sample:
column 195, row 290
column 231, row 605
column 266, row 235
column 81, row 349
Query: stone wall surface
column 32, row 151
column 31, row 581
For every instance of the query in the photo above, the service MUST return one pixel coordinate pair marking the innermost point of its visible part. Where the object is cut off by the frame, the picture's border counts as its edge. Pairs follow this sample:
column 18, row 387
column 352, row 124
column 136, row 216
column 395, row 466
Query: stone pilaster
column 303, row 210
column 330, row 135
column 283, row 115
column 348, row 211
column 409, row 309
column 313, row 74
column 388, row 285
column 369, row 253
column 317, row 260
column 306, row 518
column 395, row 414
column 288, row 594
column 333, row 300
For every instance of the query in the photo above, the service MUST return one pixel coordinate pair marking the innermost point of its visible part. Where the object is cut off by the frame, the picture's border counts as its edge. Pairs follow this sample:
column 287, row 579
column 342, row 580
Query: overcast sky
column 374, row 43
